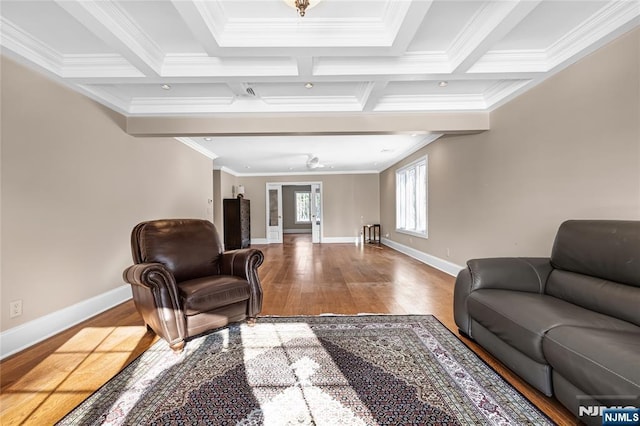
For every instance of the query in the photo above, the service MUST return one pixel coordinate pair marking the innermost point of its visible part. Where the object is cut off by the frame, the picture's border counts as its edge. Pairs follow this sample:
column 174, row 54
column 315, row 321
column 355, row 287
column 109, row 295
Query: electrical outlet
column 15, row 308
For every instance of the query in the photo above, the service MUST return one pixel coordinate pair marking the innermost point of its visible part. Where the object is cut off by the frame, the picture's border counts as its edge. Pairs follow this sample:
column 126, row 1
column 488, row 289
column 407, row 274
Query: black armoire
column 237, row 225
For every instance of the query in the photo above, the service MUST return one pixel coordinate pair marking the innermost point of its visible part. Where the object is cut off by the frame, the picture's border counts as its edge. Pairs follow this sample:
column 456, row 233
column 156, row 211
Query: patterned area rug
column 326, row 370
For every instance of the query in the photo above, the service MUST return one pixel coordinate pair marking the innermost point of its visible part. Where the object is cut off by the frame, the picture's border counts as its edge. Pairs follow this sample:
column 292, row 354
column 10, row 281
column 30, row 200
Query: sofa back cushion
column 189, row 248
column 597, row 266
column 606, row 297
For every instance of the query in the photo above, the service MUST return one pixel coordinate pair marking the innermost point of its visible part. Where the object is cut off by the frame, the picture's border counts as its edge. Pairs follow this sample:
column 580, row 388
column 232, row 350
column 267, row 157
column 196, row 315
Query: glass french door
column 316, row 213
column 274, row 213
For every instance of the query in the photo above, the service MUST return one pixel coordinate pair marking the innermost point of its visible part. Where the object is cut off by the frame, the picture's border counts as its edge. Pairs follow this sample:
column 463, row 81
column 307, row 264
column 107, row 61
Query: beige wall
column 348, row 201
column 569, row 148
column 289, row 208
column 223, row 184
column 73, row 186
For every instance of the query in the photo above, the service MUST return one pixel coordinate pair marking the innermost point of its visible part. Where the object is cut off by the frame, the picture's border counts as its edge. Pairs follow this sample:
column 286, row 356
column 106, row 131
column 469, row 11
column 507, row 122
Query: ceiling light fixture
column 443, row 84
column 208, row 139
column 313, row 162
column 166, row 87
column 308, row 85
column 302, row 5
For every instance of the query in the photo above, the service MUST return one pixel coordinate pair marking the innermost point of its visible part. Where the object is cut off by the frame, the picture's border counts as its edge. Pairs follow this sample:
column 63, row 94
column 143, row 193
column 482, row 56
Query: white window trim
column 411, row 165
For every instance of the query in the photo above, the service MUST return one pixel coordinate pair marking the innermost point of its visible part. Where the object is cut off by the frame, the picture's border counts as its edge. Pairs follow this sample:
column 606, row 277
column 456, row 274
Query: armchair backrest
column 189, row 248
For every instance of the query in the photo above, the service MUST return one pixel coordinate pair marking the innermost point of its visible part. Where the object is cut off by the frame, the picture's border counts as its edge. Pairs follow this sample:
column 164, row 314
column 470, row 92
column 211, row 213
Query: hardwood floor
column 41, row 384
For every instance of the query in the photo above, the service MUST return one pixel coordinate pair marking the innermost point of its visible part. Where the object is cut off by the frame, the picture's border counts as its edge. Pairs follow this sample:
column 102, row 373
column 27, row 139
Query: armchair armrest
column 508, row 273
column 156, row 297
column 244, row 263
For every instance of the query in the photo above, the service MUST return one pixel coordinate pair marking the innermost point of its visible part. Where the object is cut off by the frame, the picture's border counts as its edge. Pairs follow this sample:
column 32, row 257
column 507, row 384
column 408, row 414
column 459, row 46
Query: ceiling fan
column 314, row 162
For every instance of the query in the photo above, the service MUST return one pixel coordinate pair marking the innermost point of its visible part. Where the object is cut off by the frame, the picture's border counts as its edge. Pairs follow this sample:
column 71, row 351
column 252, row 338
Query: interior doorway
column 294, row 208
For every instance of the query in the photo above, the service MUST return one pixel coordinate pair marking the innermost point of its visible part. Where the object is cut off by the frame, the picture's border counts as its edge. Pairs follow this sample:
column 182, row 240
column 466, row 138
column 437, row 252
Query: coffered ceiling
column 215, row 57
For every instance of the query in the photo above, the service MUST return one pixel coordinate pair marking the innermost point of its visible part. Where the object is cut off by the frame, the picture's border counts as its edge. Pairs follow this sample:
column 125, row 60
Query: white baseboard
column 21, row 337
column 441, row 264
column 341, row 240
column 297, row 231
column 259, row 241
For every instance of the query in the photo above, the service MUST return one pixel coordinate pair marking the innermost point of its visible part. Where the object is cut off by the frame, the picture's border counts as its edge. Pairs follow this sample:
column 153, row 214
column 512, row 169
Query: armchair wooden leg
column 177, row 347
column 251, row 322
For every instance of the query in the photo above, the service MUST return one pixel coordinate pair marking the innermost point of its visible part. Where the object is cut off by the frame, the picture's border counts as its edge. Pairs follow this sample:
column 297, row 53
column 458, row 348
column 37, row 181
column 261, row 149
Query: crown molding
column 298, row 173
column 504, row 61
column 204, row 65
column 106, row 97
column 431, row 103
column 226, row 170
column 314, row 102
column 502, row 90
column 611, row 17
column 197, row 147
column 24, row 44
column 181, row 105
column 420, row 63
column 98, row 66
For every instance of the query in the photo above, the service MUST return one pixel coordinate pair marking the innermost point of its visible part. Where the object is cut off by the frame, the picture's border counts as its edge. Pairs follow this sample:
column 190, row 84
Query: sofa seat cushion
column 599, row 362
column 207, row 293
column 521, row 319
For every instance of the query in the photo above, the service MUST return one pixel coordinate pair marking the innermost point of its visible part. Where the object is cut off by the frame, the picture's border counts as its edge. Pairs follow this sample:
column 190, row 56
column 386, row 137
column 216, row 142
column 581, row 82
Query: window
column 303, row 207
column 411, row 198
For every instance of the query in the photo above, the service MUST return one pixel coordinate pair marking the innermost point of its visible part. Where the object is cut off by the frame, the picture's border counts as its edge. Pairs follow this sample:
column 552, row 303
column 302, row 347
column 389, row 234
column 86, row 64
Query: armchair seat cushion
column 207, row 293
column 600, row 362
column 522, row 319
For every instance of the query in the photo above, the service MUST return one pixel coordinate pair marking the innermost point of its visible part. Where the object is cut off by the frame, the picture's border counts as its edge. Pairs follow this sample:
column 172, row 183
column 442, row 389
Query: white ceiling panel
column 255, row 56
column 446, row 19
column 164, row 26
column 557, row 18
column 51, row 25
column 290, row 154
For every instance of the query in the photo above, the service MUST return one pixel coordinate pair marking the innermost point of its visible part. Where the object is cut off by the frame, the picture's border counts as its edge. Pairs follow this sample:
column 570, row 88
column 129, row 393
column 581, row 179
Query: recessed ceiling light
column 413, row 135
column 247, row 167
column 308, row 85
column 166, row 87
column 443, row 84
column 208, row 139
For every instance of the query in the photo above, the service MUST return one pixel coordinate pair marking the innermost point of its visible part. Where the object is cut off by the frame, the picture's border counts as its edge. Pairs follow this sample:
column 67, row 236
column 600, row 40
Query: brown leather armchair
column 182, row 282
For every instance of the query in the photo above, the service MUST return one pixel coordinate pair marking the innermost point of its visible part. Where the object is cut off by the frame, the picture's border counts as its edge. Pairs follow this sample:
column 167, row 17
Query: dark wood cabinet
column 237, row 223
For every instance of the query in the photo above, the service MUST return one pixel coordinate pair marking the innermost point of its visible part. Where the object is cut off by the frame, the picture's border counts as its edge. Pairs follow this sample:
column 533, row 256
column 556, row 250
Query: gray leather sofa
column 570, row 324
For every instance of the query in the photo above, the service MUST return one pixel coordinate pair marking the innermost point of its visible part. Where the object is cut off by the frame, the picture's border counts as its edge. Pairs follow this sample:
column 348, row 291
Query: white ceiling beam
column 238, row 79
column 111, row 24
column 492, row 22
column 305, row 66
column 372, row 93
column 197, row 23
column 410, row 25
column 308, row 124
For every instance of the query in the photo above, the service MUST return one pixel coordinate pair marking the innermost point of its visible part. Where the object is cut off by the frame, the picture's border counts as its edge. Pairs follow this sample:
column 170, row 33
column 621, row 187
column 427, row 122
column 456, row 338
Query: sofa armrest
column 508, row 273
column 244, row 263
column 155, row 294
